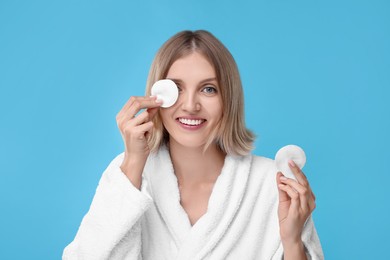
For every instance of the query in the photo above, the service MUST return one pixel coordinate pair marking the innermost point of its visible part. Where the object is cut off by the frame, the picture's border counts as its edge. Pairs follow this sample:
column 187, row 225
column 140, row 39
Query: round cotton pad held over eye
column 286, row 153
column 165, row 90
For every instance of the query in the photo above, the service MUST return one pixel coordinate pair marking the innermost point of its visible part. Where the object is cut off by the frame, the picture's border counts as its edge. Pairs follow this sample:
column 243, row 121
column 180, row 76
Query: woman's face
column 198, row 109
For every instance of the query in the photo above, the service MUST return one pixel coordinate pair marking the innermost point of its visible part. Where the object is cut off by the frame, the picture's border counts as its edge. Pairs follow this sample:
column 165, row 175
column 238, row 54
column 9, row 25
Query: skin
column 198, row 170
column 296, row 203
column 199, row 98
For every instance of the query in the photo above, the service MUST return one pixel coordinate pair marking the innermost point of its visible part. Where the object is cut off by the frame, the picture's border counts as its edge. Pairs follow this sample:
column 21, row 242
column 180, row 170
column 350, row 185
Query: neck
column 193, row 165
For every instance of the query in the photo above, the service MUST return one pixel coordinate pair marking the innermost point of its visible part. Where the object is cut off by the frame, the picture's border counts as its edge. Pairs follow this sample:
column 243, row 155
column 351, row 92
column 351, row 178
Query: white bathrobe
column 241, row 221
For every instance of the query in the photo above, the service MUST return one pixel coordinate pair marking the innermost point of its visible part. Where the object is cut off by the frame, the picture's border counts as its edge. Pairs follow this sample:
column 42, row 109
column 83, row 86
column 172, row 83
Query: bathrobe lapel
column 199, row 240
column 166, row 195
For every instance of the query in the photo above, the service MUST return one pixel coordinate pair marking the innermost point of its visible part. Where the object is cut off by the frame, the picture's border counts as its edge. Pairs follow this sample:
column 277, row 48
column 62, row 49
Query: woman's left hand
column 296, row 203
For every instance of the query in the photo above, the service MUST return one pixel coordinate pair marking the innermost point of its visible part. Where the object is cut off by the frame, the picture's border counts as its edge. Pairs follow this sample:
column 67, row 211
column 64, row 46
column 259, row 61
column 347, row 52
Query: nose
column 190, row 102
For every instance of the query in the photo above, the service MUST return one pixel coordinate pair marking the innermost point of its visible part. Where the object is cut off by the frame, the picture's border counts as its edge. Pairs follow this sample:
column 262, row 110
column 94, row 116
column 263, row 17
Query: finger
column 307, row 197
column 312, row 202
column 152, row 112
column 140, row 119
column 125, row 108
column 141, row 131
column 144, row 117
column 135, row 104
column 134, row 98
column 305, row 193
column 283, row 196
column 293, row 195
column 301, row 178
column 295, row 185
column 128, row 104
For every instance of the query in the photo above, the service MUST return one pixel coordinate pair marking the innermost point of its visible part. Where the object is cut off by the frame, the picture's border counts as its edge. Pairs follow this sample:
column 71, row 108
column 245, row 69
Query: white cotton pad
column 286, row 153
column 165, row 90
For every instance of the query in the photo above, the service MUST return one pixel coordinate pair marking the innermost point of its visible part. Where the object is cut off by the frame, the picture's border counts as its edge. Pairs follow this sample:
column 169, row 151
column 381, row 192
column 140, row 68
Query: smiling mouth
column 191, row 122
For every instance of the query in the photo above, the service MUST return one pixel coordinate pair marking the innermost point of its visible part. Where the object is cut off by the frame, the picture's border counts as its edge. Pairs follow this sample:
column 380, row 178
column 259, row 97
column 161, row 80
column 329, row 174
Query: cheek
column 165, row 115
column 216, row 110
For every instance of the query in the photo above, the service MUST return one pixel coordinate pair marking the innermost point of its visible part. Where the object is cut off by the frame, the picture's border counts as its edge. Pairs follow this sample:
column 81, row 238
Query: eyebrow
column 203, row 81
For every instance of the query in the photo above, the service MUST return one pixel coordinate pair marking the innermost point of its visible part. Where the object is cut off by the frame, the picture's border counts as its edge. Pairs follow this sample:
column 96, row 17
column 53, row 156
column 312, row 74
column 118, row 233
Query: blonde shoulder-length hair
column 231, row 135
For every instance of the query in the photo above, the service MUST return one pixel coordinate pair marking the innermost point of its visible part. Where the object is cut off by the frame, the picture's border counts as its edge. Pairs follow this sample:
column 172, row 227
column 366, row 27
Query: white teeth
column 191, row 121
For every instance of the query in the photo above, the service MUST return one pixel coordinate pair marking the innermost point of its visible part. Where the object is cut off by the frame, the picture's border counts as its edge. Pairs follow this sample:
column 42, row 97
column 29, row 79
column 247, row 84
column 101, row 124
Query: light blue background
column 315, row 73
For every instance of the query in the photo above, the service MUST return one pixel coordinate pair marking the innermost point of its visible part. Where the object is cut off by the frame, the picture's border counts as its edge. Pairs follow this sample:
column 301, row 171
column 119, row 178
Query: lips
column 191, row 121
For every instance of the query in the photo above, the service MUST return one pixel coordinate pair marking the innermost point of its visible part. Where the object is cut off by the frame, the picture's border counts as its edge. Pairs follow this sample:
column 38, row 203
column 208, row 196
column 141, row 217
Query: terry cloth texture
column 241, row 221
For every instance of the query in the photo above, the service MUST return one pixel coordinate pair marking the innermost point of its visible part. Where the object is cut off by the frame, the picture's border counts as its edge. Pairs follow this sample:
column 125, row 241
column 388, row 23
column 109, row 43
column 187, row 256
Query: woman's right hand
column 134, row 129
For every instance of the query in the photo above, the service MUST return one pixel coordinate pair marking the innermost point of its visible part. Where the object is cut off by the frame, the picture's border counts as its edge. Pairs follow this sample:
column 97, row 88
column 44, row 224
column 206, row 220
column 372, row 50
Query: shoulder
column 258, row 164
column 263, row 163
column 113, row 169
column 263, row 171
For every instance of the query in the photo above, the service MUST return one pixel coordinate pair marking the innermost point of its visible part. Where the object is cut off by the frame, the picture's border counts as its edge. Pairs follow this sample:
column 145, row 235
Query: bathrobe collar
column 198, row 240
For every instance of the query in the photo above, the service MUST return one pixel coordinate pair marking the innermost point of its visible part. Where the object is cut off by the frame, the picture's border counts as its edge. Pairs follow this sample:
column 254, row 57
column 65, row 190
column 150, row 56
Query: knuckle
column 147, row 118
column 295, row 196
column 295, row 214
column 128, row 130
column 145, row 115
column 137, row 104
column 120, row 124
column 118, row 118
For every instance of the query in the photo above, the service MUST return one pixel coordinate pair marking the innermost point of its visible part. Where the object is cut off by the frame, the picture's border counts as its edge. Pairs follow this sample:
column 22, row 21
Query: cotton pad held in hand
column 286, row 153
column 165, row 90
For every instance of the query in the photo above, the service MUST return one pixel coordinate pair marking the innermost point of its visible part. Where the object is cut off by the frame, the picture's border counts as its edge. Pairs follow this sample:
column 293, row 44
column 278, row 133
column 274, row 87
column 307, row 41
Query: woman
column 186, row 186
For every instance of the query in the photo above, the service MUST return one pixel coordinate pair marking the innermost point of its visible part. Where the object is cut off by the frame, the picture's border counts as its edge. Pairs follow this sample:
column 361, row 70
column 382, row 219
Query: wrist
column 133, row 167
column 134, row 161
column 292, row 244
column 294, row 250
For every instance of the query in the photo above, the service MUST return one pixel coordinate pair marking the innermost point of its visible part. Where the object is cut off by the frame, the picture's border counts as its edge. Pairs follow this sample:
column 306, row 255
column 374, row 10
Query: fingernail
column 283, row 178
column 291, row 163
column 159, row 101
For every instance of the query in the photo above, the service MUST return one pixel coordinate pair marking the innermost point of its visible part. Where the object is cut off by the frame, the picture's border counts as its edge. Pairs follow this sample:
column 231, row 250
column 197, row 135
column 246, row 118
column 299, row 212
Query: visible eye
column 209, row 90
column 178, row 87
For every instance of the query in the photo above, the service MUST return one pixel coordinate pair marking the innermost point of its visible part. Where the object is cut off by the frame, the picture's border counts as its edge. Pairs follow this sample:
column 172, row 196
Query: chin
column 190, row 142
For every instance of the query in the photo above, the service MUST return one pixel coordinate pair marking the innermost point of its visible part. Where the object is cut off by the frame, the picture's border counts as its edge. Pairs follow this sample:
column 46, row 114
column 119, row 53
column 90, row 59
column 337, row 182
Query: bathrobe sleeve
column 111, row 229
column 310, row 240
